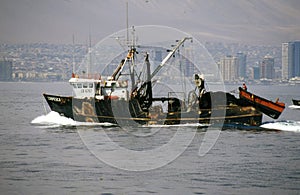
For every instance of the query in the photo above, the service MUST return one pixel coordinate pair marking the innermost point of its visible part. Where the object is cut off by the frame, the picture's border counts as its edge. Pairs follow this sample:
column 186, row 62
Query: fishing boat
column 124, row 98
column 295, row 105
column 272, row 109
column 296, row 102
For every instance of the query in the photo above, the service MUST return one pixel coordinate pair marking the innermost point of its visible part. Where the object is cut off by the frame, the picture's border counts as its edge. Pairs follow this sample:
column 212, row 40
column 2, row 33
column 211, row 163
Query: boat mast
column 131, row 67
column 132, row 50
column 127, row 25
column 130, row 55
column 144, row 93
column 149, row 83
column 90, row 55
column 73, row 57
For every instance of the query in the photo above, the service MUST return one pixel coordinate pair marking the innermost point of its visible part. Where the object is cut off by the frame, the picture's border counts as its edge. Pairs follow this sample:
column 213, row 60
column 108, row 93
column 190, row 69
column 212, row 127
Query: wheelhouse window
column 91, row 85
column 79, row 85
column 85, row 85
column 74, row 85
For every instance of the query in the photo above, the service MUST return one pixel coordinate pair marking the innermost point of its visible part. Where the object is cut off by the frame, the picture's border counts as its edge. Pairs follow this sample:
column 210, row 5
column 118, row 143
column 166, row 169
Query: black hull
column 97, row 111
column 296, row 102
column 122, row 112
column 60, row 104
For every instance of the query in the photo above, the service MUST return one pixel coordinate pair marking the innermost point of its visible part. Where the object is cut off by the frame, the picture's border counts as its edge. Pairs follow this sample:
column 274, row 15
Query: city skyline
column 42, row 62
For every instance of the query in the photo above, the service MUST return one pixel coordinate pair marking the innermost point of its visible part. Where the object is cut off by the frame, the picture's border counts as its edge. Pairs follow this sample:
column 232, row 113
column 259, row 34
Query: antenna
column 73, row 57
column 127, row 22
column 133, row 37
column 90, row 54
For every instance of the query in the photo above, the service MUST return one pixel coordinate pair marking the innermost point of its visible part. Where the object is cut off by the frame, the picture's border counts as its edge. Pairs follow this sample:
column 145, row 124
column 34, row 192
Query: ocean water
column 44, row 153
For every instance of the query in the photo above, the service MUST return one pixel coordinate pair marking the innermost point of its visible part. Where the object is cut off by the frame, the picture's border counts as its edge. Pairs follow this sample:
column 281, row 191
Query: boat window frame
column 74, row 85
column 91, row 85
column 85, row 85
column 79, row 85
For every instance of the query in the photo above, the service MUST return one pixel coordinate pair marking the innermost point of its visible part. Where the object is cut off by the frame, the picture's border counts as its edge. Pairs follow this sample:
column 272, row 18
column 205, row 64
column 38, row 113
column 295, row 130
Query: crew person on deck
column 193, row 98
column 244, row 87
column 199, row 82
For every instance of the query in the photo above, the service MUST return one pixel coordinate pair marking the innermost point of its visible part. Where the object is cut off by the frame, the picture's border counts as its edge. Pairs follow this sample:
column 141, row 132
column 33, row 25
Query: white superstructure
column 99, row 89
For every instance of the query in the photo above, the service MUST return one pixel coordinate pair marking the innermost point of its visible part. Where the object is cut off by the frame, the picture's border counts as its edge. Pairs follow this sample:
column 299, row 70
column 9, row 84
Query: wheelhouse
column 99, row 89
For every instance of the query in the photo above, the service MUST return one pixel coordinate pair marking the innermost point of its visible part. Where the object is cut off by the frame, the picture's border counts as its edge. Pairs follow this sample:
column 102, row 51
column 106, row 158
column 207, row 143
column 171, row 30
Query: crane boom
column 171, row 53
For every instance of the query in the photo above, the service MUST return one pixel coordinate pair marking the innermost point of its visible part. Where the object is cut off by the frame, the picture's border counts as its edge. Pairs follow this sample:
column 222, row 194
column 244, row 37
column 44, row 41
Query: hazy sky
column 55, row 21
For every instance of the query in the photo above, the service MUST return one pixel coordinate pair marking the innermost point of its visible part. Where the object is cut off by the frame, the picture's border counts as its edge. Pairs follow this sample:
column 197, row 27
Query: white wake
column 294, row 107
column 54, row 119
column 283, row 126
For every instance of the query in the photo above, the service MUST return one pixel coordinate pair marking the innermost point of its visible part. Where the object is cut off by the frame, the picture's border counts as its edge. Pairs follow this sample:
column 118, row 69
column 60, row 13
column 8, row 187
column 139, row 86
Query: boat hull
column 97, row 111
column 121, row 112
column 272, row 109
column 296, row 102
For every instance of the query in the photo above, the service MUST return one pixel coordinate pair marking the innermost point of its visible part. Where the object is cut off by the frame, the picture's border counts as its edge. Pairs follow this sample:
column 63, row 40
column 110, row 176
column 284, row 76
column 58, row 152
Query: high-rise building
column 267, row 68
column 5, row 70
column 290, row 60
column 296, row 59
column 285, row 58
column 189, row 66
column 158, row 55
column 242, row 58
column 255, row 72
column 228, row 67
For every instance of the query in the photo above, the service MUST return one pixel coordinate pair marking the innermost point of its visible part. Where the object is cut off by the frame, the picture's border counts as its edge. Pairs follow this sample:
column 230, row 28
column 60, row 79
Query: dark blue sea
column 44, row 153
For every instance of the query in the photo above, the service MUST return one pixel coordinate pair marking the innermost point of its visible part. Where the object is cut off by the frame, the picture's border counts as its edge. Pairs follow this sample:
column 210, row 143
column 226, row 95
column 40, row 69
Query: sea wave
column 54, row 119
column 293, row 126
column 294, row 107
column 178, row 125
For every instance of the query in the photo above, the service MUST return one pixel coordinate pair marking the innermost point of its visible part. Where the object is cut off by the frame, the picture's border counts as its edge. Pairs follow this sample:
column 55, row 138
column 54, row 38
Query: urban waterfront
column 54, row 62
